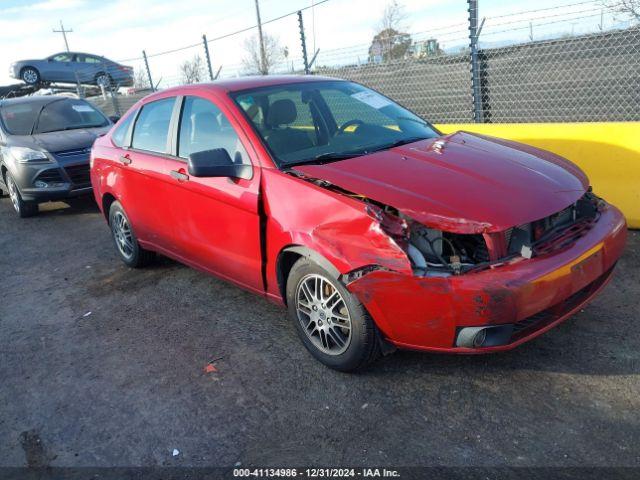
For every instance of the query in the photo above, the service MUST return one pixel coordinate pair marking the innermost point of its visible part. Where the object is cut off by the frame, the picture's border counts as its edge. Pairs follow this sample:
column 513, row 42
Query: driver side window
column 203, row 126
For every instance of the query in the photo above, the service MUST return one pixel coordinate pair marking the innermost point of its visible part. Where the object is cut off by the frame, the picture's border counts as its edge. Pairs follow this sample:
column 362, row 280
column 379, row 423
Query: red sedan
column 374, row 229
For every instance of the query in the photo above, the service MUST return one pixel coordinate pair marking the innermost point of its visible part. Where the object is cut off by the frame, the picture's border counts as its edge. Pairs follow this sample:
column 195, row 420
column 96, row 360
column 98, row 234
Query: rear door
column 143, row 189
column 216, row 220
column 87, row 67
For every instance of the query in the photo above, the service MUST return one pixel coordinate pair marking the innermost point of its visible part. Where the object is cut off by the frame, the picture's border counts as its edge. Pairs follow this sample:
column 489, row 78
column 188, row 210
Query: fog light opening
column 479, row 338
column 41, row 184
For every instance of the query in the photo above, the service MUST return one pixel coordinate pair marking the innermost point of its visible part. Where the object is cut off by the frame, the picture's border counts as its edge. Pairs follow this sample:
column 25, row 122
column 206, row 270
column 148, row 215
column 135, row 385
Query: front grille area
column 557, row 231
column 50, row 176
column 540, row 320
column 73, row 153
column 79, row 175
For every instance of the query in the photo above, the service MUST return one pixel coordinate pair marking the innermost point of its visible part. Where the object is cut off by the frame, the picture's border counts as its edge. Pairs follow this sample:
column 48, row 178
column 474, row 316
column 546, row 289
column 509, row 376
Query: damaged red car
column 374, row 229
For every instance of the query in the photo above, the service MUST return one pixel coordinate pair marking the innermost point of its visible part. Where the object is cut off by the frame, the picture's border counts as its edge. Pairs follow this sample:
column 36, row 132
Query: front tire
column 22, row 208
column 332, row 324
column 30, row 76
column 127, row 246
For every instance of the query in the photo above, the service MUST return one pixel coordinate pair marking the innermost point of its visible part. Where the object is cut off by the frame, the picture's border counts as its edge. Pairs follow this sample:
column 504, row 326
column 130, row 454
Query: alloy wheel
column 30, row 76
column 13, row 193
column 103, row 80
column 122, row 235
column 323, row 314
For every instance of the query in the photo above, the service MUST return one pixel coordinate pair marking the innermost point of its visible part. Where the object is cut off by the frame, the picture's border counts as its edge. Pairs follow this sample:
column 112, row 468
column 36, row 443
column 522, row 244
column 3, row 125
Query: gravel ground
column 103, row 365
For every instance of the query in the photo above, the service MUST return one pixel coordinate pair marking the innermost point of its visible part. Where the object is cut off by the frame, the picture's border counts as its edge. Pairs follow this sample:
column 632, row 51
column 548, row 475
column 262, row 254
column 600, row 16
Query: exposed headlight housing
column 27, row 155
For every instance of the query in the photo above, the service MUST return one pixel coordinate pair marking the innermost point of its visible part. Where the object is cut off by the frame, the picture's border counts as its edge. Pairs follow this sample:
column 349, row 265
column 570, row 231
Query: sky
column 341, row 29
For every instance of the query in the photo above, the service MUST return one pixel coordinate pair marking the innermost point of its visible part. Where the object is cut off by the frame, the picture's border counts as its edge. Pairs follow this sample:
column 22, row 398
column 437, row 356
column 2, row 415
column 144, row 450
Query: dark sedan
column 73, row 67
column 44, row 149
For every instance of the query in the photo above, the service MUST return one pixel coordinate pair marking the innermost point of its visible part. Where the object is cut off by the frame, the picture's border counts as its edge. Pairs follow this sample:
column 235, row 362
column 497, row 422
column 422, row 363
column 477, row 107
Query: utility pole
column 263, row 57
column 64, row 34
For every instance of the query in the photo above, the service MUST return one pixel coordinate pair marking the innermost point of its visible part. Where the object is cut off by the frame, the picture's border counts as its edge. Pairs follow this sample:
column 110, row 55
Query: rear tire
column 22, row 208
column 319, row 316
column 30, row 76
column 127, row 246
column 104, row 79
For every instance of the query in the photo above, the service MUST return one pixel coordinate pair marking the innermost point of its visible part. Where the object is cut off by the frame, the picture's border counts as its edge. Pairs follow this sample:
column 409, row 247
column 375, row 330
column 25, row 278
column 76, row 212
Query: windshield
column 328, row 120
column 60, row 114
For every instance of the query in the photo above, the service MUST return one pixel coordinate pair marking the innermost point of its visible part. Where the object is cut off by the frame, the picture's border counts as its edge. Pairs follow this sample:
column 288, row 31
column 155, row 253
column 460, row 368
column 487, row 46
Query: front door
column 216, row 220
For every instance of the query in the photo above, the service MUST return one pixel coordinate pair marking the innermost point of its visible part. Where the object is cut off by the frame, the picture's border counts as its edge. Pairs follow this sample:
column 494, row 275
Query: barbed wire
column 237, row 32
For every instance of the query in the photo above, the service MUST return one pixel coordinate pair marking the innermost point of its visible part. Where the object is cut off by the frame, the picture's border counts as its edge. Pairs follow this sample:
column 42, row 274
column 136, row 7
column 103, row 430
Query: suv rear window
column 152, row 127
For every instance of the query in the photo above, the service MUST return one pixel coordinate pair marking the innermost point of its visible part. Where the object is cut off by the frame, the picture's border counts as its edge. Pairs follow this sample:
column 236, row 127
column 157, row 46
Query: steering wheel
column 348, row 124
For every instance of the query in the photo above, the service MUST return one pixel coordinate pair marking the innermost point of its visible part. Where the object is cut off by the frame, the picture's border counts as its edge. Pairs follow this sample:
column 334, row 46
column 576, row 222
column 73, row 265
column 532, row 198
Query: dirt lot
column 124, row 385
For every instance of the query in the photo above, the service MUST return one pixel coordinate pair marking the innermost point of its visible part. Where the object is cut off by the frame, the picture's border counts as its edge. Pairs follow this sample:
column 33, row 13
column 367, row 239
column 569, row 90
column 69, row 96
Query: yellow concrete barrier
column 609, row 153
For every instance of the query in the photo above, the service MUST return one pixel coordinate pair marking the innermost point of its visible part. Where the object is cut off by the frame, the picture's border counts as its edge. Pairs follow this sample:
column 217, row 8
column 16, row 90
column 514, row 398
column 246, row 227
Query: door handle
column 124, row 160
column 181, row 177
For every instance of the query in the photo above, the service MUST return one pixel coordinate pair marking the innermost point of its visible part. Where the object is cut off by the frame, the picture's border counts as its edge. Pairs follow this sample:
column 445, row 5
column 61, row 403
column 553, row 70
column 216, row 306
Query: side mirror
column 114, row 118
column 217, row 163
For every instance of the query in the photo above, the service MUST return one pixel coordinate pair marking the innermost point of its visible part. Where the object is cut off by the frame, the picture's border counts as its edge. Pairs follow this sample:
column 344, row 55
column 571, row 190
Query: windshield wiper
column 327, row 157
column 337, row 156
column 73, row 127
column 397, row 143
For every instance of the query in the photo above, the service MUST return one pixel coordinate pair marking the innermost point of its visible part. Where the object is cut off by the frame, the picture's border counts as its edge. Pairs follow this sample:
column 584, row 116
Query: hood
column 61, row 141
column 462, row 183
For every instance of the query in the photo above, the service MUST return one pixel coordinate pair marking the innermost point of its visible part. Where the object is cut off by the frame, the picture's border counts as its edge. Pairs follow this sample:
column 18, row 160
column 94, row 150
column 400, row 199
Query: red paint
column 237, row 229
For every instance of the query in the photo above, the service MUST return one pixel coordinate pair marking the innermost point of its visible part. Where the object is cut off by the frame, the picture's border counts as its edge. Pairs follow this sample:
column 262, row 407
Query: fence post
column 303, row 41
column 113, row 89
column 206, row 54
column 475, row 64
column 146, row 64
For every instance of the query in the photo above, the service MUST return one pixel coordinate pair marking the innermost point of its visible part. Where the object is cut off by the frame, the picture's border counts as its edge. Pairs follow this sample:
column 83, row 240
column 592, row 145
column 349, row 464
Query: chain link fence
column 529, row 67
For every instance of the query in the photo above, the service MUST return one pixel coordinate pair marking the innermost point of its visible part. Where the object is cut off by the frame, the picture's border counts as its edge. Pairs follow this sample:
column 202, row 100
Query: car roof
column 244, row 83
column 37, row 100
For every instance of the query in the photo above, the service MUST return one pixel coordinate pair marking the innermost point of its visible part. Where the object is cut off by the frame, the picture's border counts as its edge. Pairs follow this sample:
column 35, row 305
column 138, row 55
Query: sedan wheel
column 103, row 80
column 131, row 252
column 331, row 322
column 30, row 76
column 122, row 235
column 323, row 314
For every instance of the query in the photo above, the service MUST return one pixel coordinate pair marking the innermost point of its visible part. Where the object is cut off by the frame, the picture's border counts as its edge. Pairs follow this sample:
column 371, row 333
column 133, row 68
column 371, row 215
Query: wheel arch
column 289, row 255
column 107, row 201
column 24, row 67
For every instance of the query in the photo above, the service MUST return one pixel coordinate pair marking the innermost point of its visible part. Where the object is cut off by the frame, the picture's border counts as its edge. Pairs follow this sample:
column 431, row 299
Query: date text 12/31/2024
column 316, row 473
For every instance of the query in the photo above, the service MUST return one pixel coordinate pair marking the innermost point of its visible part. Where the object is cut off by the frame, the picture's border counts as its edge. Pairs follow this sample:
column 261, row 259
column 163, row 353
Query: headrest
column 205, row 121
column 282, row 112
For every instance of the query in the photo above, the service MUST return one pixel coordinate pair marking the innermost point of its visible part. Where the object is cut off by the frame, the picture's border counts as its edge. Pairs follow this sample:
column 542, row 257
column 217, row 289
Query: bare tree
column 627, row 7
column 140, row 79
column 192, row 71
column 390, row 42
column 273, row 53
column 393, row 17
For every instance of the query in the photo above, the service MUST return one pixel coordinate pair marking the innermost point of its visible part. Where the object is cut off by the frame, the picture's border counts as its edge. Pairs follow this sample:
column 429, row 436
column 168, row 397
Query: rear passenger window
column 152, row 127
column 204, row 127
column 121, row 133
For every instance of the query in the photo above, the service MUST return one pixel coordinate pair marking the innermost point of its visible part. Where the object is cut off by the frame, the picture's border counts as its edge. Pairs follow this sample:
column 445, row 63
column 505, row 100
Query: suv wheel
column 130, row 251
column 22, row 208
column 333, row 325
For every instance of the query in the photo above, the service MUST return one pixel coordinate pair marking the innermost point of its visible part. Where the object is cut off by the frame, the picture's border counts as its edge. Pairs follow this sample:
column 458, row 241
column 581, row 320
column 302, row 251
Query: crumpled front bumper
column 527, row 297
